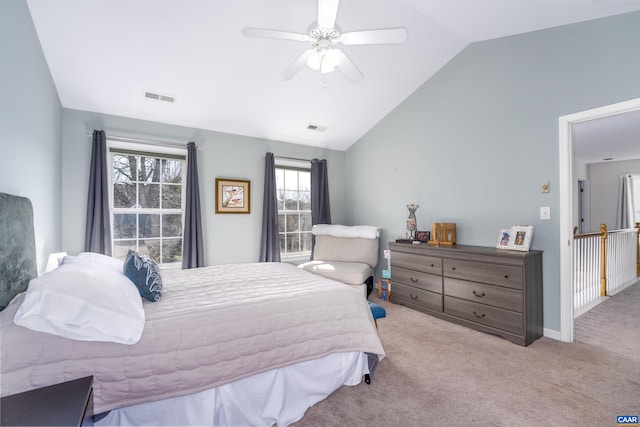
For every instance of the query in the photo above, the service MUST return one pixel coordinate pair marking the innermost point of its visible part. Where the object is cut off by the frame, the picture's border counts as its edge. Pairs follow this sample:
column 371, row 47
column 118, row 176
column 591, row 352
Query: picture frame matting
column 233, row 196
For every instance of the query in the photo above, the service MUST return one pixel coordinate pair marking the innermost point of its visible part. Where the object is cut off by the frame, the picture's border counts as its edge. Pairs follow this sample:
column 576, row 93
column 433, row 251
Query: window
column 293, row 189
column 147, row 204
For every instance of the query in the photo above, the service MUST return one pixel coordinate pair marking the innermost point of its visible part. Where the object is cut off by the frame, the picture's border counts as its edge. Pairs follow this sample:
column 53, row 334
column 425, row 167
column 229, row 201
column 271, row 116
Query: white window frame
column 300, row 166
column 162, row 152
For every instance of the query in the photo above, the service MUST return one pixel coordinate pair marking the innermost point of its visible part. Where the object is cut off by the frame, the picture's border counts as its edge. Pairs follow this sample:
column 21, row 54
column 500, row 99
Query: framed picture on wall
column 233, row 196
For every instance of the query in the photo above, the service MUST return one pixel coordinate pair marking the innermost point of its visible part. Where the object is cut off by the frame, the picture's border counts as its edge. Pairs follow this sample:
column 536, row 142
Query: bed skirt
column 259, row 400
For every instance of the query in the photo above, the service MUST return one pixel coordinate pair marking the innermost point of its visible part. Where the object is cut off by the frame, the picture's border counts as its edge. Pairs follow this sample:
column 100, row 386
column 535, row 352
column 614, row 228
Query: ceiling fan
column 324, row 36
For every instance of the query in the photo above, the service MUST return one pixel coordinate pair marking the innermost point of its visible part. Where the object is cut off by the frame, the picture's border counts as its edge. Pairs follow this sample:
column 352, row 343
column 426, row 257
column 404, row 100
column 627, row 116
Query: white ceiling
column 614, row 138
column 103, row 55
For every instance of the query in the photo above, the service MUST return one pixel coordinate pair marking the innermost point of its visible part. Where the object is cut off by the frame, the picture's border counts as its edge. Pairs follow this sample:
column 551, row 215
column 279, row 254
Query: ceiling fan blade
column 273, row 34
column 327, row 12
column 297, row 65
column 388, row 36
column 348, row 68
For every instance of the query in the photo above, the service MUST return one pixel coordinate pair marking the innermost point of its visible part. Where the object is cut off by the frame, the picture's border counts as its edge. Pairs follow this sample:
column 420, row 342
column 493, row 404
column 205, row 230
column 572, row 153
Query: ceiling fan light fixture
column 315, row 61
column 324, row 60
column 330, row 61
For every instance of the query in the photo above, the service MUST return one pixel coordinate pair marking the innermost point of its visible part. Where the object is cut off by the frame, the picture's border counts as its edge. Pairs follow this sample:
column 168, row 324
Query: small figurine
column 412, row 224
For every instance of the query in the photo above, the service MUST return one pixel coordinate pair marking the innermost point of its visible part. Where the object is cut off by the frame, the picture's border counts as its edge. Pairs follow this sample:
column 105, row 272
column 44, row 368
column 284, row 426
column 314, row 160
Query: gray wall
column 29, row 125
column 228, row 238
column 603, row 184
column 473, row 144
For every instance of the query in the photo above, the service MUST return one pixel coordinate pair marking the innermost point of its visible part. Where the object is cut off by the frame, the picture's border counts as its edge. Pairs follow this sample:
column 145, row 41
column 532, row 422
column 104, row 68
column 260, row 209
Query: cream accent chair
column 347, row 254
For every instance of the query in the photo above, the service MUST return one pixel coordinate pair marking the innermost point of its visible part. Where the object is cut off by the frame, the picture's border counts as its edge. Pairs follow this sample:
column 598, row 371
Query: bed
column 250, row 344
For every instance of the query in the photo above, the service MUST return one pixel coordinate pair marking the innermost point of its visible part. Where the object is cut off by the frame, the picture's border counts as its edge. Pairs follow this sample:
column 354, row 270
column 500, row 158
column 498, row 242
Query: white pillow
column 95, row 259
column 83, row 302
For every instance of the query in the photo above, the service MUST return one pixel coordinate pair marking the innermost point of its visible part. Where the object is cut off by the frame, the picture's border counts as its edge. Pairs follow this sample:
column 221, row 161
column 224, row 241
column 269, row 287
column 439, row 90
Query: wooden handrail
column 599, row 232
column 586, row 235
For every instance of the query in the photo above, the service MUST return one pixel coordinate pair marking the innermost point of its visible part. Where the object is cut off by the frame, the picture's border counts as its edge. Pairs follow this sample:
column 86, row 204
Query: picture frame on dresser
column 423, row 236
column 504, row 238
column 516, row 238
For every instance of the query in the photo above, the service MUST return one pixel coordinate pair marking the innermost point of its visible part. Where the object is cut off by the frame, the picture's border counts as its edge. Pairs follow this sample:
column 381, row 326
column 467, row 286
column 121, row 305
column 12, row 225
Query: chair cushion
column 346, row 249
column 351, row 273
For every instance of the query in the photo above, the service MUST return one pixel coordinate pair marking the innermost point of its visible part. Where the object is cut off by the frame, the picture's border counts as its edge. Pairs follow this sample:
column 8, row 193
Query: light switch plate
column 545, row 212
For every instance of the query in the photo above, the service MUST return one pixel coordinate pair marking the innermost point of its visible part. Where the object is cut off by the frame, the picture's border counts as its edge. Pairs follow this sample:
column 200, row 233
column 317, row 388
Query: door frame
column 566, row 203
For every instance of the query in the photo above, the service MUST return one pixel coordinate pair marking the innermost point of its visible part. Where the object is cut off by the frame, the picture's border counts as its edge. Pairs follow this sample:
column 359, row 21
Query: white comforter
column 212, row 326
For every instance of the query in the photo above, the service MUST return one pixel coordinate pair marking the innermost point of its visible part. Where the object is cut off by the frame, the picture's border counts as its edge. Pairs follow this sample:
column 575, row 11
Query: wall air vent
column 316, row 128
column 159, row 97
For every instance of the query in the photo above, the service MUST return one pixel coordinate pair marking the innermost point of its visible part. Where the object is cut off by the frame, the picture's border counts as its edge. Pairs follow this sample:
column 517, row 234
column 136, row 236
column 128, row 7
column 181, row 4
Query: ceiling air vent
column 159, row 97
column 316, row 128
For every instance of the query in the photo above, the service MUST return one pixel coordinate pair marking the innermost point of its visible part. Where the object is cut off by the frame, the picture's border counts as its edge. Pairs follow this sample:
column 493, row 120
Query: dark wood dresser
column 66, row 404
column 491, row 290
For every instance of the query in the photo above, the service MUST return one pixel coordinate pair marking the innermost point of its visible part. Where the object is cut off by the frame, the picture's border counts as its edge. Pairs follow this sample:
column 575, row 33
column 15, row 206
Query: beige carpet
column 613, row 324
column 439, row 374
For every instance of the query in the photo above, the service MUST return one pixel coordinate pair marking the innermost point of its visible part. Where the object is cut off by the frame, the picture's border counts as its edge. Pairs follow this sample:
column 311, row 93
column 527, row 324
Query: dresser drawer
column 510, row 299
column 498, row 318
column 400, row 293
column 426, row 264
column 417, row 279
column 494, row 274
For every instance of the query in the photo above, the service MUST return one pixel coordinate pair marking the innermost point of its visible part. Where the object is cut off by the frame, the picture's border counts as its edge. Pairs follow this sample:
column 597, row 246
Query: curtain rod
column 292, row 158
column 144, row 141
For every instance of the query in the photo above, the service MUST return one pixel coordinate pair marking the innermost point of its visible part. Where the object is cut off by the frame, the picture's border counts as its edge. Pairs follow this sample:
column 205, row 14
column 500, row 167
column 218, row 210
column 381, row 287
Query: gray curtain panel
column 270, row 242
column 98, row 229
column 624, row 215
column 192, row 244
column 320, row 209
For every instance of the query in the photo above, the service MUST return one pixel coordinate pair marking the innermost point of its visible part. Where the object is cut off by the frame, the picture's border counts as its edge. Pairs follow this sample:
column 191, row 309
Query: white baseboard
column 552, row 333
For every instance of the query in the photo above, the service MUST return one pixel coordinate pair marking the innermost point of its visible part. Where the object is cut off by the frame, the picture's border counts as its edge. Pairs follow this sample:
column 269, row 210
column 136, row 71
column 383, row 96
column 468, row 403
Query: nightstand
column 64, row 404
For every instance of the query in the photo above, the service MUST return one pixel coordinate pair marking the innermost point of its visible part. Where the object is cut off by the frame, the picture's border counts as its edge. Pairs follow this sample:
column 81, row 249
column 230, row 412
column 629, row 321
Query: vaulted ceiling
column 105, row 54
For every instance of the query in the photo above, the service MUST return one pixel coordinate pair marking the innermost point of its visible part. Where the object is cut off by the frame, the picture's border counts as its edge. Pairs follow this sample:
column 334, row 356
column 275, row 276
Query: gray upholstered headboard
column 17, row 247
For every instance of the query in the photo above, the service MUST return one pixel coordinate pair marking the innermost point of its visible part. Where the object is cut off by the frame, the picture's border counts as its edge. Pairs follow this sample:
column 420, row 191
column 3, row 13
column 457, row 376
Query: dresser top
column 445, row 250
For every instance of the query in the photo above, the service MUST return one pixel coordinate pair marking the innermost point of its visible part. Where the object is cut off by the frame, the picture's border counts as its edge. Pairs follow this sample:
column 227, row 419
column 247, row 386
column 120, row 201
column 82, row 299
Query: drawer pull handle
column 413, row 280
column 506, row 276
column 413, row 297
column 479, row 316
column 453, row 268
column 478, row 295
column 432, row 265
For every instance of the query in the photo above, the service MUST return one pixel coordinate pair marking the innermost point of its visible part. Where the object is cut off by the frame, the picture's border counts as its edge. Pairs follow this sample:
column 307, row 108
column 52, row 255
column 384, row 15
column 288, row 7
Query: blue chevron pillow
column 145, row 274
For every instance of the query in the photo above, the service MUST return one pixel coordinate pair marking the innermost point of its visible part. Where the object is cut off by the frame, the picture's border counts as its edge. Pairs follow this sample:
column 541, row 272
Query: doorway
column 567, row 189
